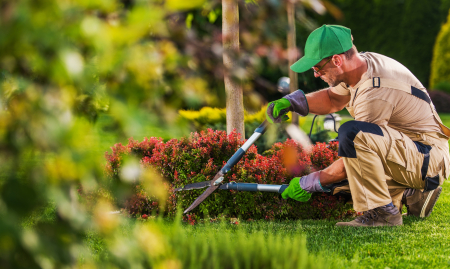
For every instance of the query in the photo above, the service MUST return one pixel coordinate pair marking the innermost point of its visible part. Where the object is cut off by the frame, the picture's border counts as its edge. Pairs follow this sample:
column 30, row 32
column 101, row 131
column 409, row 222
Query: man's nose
column 316, row 74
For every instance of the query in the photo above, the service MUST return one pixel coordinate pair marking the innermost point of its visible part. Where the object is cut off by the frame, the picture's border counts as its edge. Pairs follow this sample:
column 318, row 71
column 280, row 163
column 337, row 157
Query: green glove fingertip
column 276, row 110
column 281, row 104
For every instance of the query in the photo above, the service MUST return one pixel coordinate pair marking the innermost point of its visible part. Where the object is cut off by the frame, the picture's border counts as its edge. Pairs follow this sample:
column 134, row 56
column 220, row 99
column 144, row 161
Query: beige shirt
column 385, row 106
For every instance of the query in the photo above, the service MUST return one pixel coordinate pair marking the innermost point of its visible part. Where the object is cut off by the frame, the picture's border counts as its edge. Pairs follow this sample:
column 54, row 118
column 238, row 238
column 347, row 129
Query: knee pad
column 348, row 132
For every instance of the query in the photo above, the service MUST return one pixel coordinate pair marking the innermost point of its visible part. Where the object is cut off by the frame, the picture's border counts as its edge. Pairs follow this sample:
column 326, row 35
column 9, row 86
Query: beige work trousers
column 386, row 165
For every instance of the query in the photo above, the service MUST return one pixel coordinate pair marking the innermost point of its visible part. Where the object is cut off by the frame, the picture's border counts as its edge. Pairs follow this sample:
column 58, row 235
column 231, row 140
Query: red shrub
column 140, row 204
column 114, row 159
column 144, row 148
column 202, row 155
column 323, row 156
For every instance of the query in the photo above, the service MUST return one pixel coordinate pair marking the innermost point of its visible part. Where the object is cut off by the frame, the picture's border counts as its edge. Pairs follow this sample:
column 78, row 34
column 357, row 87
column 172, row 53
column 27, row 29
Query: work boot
column 420, row 204
column 380, row 216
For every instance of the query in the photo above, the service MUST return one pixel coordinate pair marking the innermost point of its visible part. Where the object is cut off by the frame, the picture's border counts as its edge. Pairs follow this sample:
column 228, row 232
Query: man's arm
column 321, row 102
column 325, row 102
column 334, row 173
column 300, row 188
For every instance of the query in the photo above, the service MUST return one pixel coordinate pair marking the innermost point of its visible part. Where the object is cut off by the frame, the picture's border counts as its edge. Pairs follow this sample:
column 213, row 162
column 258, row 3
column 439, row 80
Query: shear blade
column 206, row 193
column 194, row 186
column 201, row 198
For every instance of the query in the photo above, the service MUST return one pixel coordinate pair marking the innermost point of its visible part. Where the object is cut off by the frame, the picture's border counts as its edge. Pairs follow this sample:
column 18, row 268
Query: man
column 396, row 142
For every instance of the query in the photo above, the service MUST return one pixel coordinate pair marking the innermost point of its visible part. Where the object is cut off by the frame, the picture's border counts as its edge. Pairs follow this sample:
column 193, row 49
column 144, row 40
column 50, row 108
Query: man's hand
column 295, row 191
column 300, row 188
column 275, row 109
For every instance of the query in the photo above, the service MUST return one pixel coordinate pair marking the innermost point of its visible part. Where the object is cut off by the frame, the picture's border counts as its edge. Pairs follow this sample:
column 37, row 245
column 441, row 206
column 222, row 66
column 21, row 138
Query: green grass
column 419, row 243
column 219, row 245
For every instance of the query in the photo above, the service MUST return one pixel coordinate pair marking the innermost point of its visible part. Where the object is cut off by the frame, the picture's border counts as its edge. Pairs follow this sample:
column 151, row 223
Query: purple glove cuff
column 311, row 183
column 298, row 102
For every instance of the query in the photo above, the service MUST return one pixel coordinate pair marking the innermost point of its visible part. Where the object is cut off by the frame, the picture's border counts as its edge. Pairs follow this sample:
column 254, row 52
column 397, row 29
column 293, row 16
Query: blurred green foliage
column 64, row 64
column 222, row 244
column 262, row 60
column 440, row 67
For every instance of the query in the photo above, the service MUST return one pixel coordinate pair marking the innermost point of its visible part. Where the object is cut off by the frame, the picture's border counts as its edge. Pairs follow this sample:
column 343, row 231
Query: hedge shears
column 216, row 182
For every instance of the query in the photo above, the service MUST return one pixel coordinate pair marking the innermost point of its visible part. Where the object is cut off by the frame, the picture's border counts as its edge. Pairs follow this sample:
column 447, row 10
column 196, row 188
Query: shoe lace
column 368, row 215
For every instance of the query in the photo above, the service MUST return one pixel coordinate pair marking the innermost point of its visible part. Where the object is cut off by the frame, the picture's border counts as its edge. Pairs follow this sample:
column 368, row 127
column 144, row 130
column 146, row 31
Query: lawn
column 419, row 243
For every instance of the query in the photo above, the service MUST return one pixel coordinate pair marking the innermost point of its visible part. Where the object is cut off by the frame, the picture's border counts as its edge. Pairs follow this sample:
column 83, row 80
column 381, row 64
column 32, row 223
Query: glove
column 298, row 102
column 300, row 188
column 274, row 113
column 295, row 191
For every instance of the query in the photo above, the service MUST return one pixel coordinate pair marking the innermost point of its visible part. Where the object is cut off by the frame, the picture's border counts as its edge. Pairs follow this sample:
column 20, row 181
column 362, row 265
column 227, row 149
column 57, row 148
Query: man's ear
column 337, row 60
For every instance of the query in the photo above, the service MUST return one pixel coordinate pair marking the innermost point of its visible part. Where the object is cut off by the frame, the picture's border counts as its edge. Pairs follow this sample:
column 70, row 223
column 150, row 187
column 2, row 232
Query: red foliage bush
column 202, row 155
column 324, row 155
column 141, row 204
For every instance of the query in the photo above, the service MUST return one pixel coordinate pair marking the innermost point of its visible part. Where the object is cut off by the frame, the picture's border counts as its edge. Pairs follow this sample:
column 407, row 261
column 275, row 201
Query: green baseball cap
column 323, row 42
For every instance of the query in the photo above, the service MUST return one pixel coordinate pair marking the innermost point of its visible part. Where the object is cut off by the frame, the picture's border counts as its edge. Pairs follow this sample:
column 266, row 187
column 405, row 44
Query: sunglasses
column 317, row 70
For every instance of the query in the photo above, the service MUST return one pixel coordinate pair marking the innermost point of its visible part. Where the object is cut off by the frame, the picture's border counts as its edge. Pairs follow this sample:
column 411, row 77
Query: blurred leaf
column 189, row 19
column 212, row 16
column 183, row 5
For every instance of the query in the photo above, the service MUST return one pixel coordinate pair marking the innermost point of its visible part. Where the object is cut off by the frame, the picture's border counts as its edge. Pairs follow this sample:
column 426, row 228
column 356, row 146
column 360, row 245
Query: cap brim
column 304, row 64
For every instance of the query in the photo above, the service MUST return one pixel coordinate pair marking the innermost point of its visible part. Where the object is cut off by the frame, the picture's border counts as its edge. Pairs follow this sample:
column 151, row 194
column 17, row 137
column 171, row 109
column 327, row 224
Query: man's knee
column 348, row 132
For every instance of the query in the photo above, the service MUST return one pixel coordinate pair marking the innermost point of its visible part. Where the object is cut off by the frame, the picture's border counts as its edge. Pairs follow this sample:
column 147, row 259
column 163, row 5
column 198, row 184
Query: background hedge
column 440, row 68
column 403, row 30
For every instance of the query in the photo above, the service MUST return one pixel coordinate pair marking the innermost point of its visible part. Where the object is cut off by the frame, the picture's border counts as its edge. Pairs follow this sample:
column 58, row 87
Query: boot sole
column 353, row 223
column 428, row 200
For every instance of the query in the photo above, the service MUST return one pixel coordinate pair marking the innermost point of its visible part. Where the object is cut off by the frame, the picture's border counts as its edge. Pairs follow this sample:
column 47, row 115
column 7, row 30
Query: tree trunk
column 292, row 51
column 233, row 88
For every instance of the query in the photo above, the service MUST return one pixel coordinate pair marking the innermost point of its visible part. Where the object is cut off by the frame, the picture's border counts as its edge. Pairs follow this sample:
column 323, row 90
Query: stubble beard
column 333, row 81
